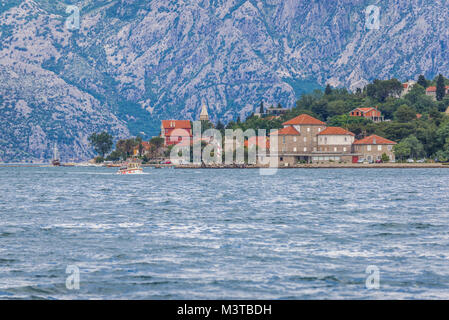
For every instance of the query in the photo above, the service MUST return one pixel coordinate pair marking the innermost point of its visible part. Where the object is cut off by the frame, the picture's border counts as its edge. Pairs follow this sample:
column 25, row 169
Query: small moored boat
column 130, row 168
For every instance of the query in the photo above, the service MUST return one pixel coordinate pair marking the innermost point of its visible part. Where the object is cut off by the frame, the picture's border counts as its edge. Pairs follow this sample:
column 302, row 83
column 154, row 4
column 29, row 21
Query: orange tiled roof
column 176, row 124
column 304, row 119
column 364, row 110
column 288, row 131
column 434, row 89
column 335, row 131
column 374, row 139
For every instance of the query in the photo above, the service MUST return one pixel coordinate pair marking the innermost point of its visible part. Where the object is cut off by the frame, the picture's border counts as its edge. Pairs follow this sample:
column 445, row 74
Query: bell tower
column 204, row 116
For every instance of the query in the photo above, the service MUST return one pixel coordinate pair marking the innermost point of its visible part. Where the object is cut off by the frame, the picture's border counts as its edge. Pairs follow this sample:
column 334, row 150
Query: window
column 294, row 139
column 344, row 149
column 389, row 148
column 379, row 148
column 305, row 139
column 368, row 148
column 308, row 129
column 319, row 129
column 346, row 139
column 294, row 149
column 335, row 149
column 283, row 139
column 305, row 149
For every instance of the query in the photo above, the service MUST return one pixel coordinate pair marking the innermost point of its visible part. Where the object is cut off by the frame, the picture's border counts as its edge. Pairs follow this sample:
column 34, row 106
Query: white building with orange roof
column 432, row 92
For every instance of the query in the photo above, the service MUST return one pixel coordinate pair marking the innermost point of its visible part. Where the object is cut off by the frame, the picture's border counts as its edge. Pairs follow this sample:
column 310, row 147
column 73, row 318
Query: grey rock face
column 133, row 63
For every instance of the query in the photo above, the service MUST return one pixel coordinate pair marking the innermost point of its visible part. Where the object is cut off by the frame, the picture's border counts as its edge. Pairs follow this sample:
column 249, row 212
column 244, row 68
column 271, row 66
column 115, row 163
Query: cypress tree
column 328, row 90
column 422, row 81
column 261, row 110
column 441, row 88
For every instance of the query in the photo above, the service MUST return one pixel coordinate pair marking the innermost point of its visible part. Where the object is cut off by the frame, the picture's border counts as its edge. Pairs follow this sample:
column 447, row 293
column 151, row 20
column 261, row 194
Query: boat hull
column 130, row 171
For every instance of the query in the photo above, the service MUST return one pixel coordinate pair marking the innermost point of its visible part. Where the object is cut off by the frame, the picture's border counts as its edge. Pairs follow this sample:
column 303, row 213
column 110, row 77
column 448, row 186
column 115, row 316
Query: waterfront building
column 334, row 144
column 373, row 147
column 305, row 139
column 175, row 131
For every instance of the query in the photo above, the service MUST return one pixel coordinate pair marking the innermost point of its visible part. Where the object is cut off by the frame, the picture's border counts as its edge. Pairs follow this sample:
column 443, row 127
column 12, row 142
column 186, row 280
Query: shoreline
column 334, row 166
column 299, row 166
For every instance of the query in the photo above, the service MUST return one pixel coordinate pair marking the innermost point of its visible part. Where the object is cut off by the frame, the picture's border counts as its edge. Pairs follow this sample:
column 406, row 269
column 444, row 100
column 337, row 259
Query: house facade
column 369, row 113
column 305, row 139
column 334, row 144
column 175, row 131
column 373, row 147
column 407, row 86
column 432, row 92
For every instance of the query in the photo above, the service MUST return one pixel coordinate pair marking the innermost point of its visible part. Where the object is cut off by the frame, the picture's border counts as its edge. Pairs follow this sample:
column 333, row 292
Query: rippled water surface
column 212, row 234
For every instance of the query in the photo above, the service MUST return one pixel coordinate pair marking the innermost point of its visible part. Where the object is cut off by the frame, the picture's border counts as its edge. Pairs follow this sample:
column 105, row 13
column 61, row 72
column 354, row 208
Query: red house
column 175, row 131
column 368, row 113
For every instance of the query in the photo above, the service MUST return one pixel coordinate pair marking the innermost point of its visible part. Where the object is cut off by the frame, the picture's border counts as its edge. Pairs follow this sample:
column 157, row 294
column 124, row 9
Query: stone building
column 305, row 139
column 334, row 144
column 373, row 147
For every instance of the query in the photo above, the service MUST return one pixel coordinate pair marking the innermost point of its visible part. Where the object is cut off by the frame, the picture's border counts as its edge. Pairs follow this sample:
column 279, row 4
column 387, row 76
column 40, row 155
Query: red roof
column 304, row 119
column 434, row 89
column 176, row 124
column 364, row 110
column 374, row 139
column 288, row 131
column 335, row 131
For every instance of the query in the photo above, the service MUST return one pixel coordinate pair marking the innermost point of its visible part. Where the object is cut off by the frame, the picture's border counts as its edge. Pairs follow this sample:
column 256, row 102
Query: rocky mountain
column 130, row 63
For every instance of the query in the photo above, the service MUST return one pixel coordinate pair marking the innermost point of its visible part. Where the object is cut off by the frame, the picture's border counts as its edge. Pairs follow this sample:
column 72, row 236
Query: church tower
column 204, row 116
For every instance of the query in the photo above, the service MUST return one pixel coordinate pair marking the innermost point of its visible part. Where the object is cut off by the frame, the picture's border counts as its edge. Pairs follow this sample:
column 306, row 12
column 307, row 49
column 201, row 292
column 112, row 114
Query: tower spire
column 204, row 116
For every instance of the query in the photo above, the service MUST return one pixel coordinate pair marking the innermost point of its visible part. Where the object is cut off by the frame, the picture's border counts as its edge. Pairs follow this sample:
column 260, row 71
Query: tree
column 422, row 81
column 402, row 151
column 382, row 89
column 261, row 109
column 405, row 114
column 441, row 88
column 126, row 146
column 220, row 126
column 157, row 142
column 409, row 147
column 328, row 90
column 385, row 157
column 114, row 156
column 102, row 143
